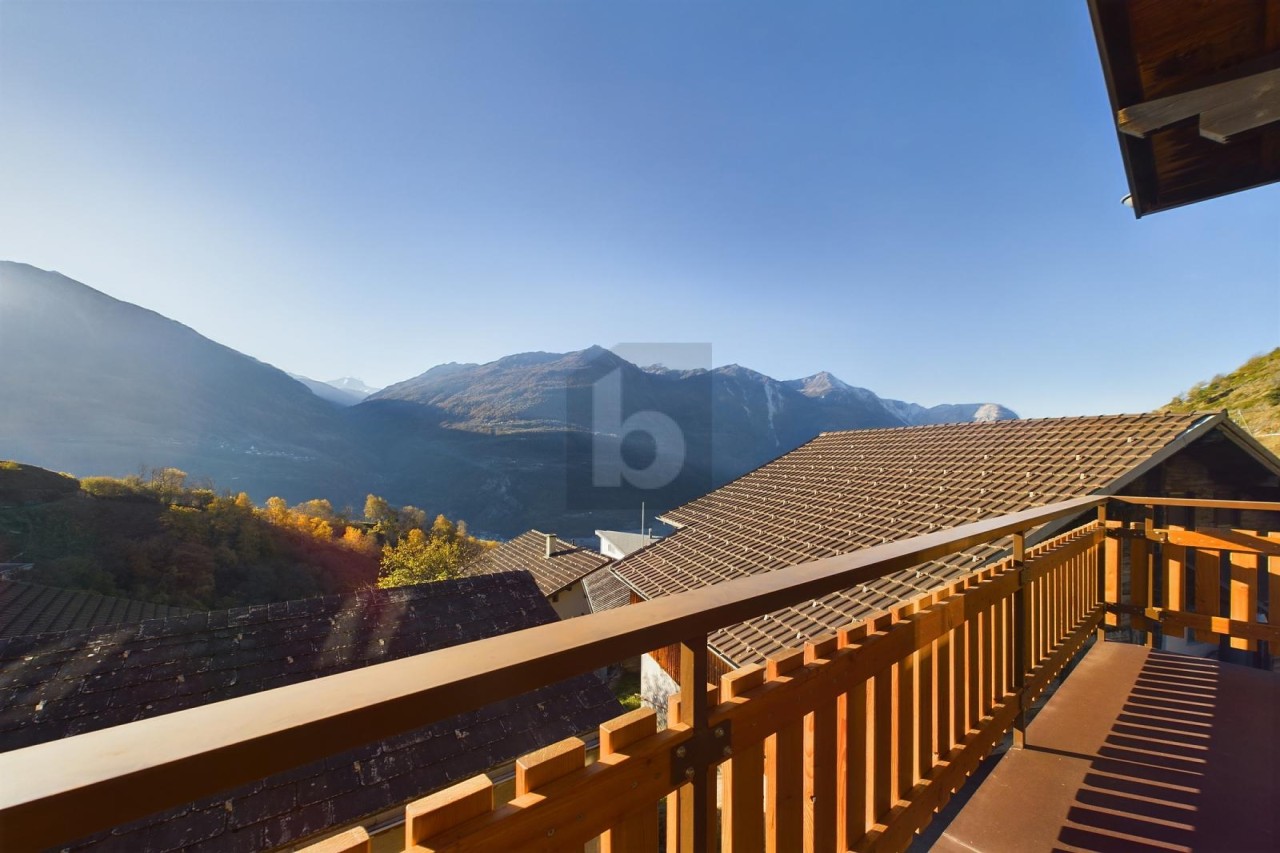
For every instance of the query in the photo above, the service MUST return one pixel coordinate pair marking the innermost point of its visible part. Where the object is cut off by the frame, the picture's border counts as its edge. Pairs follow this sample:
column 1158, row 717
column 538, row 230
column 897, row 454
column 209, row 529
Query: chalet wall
column 571, row 601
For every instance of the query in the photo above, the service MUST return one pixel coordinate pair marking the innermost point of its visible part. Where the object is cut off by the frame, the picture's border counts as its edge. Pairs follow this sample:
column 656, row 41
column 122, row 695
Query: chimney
column 551, row 544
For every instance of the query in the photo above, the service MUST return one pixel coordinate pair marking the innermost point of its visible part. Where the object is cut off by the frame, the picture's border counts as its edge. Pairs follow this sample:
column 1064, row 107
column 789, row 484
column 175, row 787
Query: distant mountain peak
column 740, row 372
column 821, row 384
column 351, row 383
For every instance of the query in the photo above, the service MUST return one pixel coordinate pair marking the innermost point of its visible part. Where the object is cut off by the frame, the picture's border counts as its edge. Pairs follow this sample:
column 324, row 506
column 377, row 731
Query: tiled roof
column 31, row 608
column 849, row 490
column 605, row 591
column 567, row 563
column 57, row 685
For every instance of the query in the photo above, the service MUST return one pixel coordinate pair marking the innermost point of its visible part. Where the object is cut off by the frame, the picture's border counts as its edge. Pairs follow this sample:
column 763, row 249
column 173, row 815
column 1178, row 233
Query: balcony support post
column 1100, row 556
column 1021, row 640
column 695, row 803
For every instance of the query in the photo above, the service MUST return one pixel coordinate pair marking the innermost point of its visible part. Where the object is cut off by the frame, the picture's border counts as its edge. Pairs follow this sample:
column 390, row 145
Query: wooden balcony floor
column 1138, row 750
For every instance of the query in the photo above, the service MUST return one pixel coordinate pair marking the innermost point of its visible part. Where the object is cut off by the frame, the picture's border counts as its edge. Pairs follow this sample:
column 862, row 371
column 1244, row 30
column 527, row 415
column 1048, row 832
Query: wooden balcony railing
column 851, row 742
column 1195, row 579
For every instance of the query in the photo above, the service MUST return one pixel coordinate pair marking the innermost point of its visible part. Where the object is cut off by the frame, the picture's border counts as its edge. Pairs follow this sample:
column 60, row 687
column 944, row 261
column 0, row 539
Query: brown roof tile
column 849, row 490
column 58, row 685
column 527, row 552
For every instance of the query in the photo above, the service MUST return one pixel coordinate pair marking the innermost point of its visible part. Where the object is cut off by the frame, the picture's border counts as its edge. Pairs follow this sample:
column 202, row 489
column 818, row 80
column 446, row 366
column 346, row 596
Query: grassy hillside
column 1250, row 393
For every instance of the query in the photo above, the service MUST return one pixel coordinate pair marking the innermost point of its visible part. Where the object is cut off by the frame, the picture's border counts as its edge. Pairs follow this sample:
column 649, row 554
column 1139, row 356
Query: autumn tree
column 446, row 552
column 418, row 559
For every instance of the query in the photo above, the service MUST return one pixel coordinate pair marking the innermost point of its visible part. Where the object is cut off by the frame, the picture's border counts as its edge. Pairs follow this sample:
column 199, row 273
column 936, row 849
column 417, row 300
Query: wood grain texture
column 638, row 832
column 1208, row 592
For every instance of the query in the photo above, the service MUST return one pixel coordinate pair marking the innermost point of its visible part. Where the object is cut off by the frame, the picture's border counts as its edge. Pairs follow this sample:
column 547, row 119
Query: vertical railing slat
column 987, row 631
column 352, row 841
column 959, row 681
column 973, row 647
column 548, row 764
column 1139, row 574
column 742, row 818
column 784, row 770
column 884, row 712
column 696, row 800
column 999, row 663
column 638, row 833
column 1208, row 590
column 1175, row 581
column 943, row 667
column 856, row 733
column 925, row 701
column 820, row 763
column 446, row 809
column 1022, row 638
column 904, row 728
column 1244, row 595
column 1111, row 578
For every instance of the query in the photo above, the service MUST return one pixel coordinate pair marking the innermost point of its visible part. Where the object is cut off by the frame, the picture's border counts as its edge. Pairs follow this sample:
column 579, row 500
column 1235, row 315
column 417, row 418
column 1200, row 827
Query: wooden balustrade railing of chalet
column 1191, row 578
column 852, row 742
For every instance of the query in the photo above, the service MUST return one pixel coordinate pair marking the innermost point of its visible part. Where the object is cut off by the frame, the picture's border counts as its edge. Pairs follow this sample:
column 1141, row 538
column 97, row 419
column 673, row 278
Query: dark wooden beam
column 1225, row 109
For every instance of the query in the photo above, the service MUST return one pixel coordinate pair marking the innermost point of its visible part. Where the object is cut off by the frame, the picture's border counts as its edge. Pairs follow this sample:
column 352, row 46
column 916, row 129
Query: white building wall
column 655, row 687
column 571, row 601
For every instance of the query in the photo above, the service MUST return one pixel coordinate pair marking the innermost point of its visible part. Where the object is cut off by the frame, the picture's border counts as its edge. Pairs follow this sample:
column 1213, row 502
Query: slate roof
column 605, row 591
column 849, row 490
column 31, row 608
column 568, row 563
column 57, row 685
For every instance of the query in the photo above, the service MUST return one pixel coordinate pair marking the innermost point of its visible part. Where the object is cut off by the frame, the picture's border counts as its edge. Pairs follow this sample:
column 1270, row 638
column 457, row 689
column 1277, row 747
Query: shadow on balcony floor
column 1139, row 750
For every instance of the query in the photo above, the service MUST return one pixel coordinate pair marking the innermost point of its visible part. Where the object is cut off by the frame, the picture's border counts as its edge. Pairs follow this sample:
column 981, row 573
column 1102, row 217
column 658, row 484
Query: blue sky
column 921, row 198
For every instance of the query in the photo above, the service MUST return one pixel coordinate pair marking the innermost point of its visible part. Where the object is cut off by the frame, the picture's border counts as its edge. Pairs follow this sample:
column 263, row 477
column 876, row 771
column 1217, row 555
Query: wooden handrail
column 73, row 787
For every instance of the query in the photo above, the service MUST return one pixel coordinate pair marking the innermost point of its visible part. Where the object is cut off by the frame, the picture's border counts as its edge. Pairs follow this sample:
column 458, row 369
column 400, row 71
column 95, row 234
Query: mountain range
column 101, row 386
column 346, row 391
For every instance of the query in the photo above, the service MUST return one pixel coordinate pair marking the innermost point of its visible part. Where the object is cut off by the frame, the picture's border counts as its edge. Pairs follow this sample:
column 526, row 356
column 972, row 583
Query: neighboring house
column 559, row 568
column 32, row 608
column 57, row 685
column 845, row 491
column 604, row 590
column 617, row 544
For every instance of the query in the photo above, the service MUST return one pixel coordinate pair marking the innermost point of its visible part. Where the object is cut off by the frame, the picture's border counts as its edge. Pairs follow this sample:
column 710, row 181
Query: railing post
column 1021, row 639
column 1156, row 552
column 695, row 830
column 1111, row 579
column 1100, row 561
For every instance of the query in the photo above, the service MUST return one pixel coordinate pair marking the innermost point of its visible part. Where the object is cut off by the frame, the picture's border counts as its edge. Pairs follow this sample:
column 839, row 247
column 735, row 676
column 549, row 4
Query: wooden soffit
column 1195, row 95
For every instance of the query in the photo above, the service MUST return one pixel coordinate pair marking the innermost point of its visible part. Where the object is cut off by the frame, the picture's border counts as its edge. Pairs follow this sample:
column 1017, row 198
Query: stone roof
column 605, row 591
column 845, row 491
column 528, row 552
column 58, row 685
column 32, row 608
